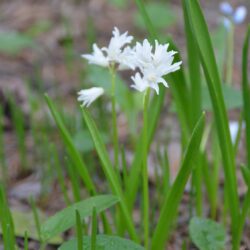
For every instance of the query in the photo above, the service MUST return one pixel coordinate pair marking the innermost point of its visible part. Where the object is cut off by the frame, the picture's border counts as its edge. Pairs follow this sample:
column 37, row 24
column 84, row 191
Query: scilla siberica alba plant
column 152, row 64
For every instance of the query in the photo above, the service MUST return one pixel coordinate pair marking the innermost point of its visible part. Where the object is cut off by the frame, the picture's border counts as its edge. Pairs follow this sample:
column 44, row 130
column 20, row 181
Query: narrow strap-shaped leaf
column 246, row 99
column 246, row 93
column 109, row 172
column 170, row 205
column 73, row 153
column 207, row 57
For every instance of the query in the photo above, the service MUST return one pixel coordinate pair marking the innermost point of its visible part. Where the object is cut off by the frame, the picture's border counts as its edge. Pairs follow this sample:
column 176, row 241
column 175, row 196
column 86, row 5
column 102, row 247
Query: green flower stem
column 114, row 121
column 230, row 55
column 145, row 170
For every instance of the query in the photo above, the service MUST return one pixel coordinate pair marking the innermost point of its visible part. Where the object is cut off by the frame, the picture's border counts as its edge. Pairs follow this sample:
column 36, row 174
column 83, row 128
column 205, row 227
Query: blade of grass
column 246, row 93
column 60, row 174
column 72, row 151
column 207, row 57
column 93, row 229
column 170, row 205
column 246, row 108
column 9, row 241
column 79, row 234
column 195, row 98
column 110, row 172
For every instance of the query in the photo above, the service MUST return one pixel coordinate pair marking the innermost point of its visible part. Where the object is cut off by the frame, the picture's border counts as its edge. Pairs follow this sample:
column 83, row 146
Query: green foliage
column 207, row 234
column 12, row 43
column 84, row 143
column 24, row 222
column 103, row 242
column 172, row 200
column 65, row 219
column 220, row 115
column 161, row 13
column 119, row 3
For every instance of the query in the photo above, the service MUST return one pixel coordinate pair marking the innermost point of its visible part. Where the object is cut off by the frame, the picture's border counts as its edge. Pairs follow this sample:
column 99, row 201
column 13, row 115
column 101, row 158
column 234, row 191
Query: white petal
column 140, row 83
column 97, row 57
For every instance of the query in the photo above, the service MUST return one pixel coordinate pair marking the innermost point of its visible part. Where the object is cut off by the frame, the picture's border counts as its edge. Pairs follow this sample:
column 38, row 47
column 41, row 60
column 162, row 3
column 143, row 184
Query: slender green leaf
column 246, row 93
column 170, row 205
column 179, row 90
column 6, row 222
column 73, row 153
column 65, row 219
column 110, row 172
column 207, row 57
column 246, row 171
column 103, row 242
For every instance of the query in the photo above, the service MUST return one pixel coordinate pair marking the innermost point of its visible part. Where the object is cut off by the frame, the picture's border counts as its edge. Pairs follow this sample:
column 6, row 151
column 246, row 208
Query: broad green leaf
column 207, row 234
column 213, row 80
column 83, row 141
column 24, row 221
column 103, row 242
column 65, row 219
column 72, row 151
column 172, row 201
column 162, row 14
column 232, row 97
column 12, row 43
column 109, row 172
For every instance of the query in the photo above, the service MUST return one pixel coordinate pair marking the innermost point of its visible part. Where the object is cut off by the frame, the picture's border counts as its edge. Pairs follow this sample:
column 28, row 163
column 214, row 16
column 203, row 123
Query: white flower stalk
column 153, row 65
column 115, row 53
column 236, row 16
column 87, row 96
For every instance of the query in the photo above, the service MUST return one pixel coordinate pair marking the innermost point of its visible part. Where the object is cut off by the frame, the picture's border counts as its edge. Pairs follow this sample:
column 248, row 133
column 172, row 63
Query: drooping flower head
column 236, row 16
column 153, row 65
column 87, row 96
column 115, row 53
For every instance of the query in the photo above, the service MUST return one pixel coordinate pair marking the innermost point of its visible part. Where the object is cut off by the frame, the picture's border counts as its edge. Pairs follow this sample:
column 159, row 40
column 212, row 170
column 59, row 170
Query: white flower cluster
column 150, row 63
column 236, row 16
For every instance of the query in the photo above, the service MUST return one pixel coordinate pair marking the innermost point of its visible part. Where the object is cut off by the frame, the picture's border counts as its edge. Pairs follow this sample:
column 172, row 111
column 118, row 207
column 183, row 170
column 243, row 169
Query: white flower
column 87, row 96
column 153, row 65
column 226, row 8
column 234, row 129
column 236, row 16
column 240, row 14
column 116, row 52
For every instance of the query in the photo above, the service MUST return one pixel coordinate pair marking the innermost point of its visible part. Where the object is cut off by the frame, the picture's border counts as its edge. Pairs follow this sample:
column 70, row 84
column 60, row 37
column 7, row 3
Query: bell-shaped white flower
column 226, row 8
column 87, row 96
column 153, row 64
column 240, row 15
column 115, row 53
column 236, row 16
